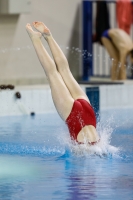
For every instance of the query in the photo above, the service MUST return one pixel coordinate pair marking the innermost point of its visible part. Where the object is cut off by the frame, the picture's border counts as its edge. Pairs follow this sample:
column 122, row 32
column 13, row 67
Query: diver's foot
column 39, row 26
column 32, row 34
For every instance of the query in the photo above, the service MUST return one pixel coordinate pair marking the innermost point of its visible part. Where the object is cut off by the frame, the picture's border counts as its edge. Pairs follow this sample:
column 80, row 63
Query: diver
column 71, row 102
column 119, row 46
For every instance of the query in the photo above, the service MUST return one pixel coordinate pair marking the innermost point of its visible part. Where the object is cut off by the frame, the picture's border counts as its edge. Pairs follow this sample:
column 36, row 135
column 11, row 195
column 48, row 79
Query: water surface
column 37, row 160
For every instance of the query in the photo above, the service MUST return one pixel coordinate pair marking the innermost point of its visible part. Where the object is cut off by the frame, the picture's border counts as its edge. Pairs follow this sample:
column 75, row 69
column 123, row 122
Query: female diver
column 71, row 102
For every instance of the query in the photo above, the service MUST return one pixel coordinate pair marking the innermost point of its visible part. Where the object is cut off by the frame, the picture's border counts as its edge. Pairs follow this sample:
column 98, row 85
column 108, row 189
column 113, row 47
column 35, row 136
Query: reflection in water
column 81, row 187
column 81, row 183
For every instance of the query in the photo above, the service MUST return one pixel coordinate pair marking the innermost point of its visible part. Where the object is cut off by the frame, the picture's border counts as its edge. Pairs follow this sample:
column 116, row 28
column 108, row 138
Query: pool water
column 38, row 161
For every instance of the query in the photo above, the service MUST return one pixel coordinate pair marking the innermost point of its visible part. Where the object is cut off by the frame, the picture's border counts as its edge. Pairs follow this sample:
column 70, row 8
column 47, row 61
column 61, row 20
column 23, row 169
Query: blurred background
column 73, row 25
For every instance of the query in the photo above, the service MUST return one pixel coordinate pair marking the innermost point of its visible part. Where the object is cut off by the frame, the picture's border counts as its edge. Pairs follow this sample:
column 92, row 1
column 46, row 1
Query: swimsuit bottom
column 106, row 35
column 82, row 114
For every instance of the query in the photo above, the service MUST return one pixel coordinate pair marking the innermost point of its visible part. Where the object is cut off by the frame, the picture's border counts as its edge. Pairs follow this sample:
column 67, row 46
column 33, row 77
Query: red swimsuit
column 82, row 114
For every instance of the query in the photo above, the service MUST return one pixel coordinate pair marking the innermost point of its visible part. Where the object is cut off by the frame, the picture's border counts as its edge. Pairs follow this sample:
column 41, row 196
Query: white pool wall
column 116, row 96
column 38, row 99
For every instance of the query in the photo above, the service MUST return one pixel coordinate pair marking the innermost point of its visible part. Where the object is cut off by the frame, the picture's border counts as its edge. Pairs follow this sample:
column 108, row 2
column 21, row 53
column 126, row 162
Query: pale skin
column 119, row 48
column 64, row 88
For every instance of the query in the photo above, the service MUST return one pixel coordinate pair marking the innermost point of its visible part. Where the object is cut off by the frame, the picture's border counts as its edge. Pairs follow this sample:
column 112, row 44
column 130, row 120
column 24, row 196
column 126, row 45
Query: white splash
column 102, row 148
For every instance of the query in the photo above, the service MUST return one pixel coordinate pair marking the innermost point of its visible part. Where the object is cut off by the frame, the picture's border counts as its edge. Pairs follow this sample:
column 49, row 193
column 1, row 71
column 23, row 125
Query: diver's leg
column 122, row 69
column 114, row 54
column 61, row 63
column 61, row 96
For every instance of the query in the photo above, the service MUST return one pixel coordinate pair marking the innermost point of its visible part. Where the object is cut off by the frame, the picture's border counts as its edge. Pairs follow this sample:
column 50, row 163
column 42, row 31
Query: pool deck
column 37, row 98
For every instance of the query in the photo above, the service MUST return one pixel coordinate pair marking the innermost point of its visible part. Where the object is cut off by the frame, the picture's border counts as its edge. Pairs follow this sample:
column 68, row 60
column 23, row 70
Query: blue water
column 38, row 161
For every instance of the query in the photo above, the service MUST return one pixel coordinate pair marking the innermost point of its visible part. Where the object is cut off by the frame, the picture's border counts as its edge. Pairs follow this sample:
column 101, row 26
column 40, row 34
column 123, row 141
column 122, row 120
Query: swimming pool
column 37, row 160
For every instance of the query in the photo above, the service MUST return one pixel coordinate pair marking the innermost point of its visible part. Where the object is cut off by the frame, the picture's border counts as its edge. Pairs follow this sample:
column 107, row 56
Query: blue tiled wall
column 93, row 95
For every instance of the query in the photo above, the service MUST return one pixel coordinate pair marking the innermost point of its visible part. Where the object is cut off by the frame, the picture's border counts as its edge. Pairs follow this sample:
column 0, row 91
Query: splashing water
column 62, row 145
column 58, row 143
column 102, row 149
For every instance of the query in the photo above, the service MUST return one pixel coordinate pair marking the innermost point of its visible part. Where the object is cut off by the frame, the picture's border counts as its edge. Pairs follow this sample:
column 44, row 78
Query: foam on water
column 103, row 148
